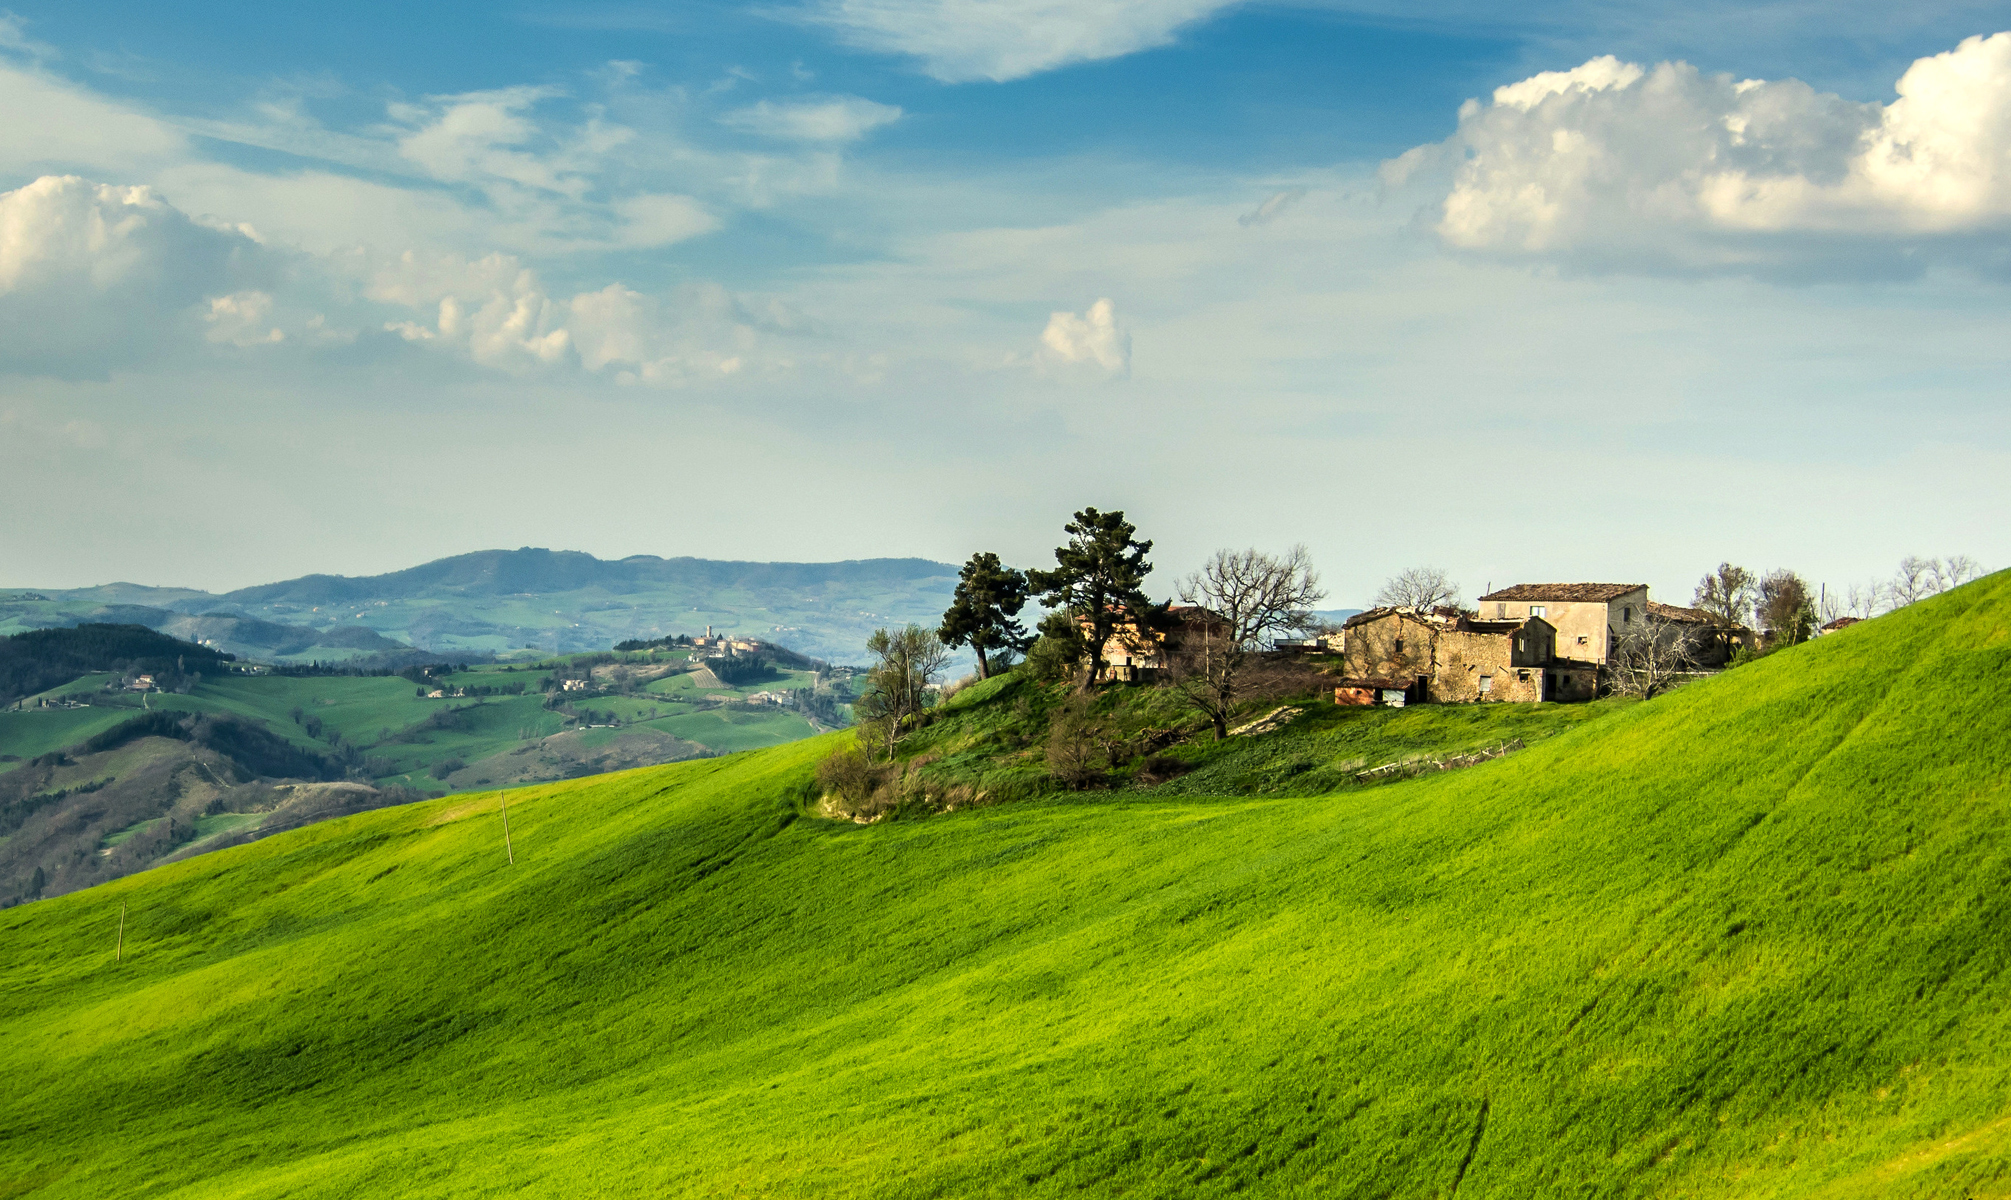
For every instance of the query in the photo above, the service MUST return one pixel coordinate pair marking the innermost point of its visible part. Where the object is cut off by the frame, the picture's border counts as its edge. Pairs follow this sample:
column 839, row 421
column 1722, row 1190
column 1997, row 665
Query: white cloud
column 833, row 119
column 1616, row 162
column 1597, row 75
column 1268, row 211
column 493, row 308
column 480, row 138
column 14, row 38
column 1093, row 340
column 963, row 40
column 93, row 276
column 243, row 319
column 660, row 220
column 51, row 124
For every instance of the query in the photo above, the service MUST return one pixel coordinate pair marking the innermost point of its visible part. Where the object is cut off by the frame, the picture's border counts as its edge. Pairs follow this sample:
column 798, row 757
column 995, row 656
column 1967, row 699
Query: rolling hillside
column 1746, row 940
column 98, row 781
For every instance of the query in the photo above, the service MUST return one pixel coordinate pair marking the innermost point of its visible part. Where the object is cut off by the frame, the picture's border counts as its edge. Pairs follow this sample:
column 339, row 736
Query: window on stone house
column 1486, row 683
column 1627, row 615
column 1521, row 644
column 1400, row 645
column 1536, row 610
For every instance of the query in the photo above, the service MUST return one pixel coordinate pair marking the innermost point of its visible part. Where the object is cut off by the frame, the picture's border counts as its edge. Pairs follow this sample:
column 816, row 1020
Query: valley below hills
column 1743, row 939
column 503, row 602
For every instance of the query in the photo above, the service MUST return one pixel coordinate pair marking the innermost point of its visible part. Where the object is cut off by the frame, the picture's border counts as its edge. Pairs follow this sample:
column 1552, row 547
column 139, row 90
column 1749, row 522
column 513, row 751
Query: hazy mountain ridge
column 495, row 601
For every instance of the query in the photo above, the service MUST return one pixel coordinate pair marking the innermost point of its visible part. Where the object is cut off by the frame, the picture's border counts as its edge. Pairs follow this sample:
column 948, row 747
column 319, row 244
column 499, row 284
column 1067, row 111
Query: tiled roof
column 1593, row 593
column 1677, row 612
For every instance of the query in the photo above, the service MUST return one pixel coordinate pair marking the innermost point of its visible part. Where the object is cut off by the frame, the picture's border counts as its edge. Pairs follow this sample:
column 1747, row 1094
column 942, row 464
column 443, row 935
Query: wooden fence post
column 119, row 951
column 504, row 801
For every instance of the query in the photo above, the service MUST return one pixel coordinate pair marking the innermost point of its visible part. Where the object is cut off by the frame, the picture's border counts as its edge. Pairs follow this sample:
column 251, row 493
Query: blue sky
column 1590, row 291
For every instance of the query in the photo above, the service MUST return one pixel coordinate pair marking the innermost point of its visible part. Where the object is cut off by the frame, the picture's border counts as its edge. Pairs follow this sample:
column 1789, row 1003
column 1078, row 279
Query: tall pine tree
column 989, row 595
column 1097, row 579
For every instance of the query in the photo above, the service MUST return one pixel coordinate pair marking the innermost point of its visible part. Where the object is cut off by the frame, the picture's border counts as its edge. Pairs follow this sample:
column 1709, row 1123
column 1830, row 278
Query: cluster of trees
column 662, row 643
column 1785, row 610
column 1095, row 593
column 41, row 659
column 736, row 669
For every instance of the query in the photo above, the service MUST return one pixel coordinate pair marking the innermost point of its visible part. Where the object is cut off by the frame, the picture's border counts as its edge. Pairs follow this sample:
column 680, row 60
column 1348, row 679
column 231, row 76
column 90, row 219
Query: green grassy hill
column 1747, row 940
column 70, row 810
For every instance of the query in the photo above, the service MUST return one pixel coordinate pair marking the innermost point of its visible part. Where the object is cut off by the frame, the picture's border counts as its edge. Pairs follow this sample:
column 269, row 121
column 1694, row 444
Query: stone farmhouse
column 1590, row 618
column 1530, row 642
column 1445, row 656
column 1134, row 655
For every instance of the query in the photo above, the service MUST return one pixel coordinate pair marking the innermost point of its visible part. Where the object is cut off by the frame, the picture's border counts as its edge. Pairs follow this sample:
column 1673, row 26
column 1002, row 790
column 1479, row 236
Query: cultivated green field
column 1747, row 940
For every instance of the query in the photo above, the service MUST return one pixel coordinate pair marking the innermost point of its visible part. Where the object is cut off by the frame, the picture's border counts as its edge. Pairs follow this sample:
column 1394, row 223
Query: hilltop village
column 1245, row 626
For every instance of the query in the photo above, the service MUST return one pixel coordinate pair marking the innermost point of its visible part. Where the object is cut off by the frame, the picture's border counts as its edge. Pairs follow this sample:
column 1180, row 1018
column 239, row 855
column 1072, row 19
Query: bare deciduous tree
column 1862, row 600
column 1648, row 657
column 1914, row 581
column 1918, row 578
column 897, row 685
column 1956, row 570
column 1256, row 596
column 1422, row 588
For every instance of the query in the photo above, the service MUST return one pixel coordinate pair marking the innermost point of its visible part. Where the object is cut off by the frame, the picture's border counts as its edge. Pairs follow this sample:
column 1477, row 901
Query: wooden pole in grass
column 505, row 802
column 119, row 950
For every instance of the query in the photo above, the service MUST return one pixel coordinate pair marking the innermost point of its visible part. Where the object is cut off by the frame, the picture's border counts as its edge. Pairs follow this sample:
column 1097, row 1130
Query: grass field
column 1746, row 940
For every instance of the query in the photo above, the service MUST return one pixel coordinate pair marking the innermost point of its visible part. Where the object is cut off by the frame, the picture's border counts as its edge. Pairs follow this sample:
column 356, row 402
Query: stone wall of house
column 1402, row 646
column 1395, row 646
column 1574, row 680
column 1584, row 628
column 1466, row 659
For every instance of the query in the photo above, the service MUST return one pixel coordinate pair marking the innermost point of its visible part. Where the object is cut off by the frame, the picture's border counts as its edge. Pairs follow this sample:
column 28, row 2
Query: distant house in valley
column 142, row 683
column 1135, row 655
column 1590, row 618
column 1446, row 656
column 573, row 685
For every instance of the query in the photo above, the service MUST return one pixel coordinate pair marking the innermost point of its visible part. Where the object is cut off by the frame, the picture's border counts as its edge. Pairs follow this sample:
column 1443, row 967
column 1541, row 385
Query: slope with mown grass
column 1746, row 940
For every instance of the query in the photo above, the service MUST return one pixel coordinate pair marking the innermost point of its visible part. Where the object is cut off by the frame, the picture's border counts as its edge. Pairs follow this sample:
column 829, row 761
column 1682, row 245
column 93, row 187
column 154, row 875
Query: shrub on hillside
column 1075, row 751
column 858, row 790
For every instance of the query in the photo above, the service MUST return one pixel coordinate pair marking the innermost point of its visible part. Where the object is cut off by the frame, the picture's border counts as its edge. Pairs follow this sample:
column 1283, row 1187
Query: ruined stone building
column 1447, row 657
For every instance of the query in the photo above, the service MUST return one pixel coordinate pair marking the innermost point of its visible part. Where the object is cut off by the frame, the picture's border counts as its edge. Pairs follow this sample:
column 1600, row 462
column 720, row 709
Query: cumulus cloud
column 243, row 319
column 959, row 41
column 1617, row 161
column 497, row 312
column 493, row 308
column 94, row 276
column 831, row 119
column 1092, row 342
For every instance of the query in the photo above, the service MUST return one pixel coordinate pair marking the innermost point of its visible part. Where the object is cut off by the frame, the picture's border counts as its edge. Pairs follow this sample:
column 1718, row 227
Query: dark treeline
column 662, row 643
column 45, row 658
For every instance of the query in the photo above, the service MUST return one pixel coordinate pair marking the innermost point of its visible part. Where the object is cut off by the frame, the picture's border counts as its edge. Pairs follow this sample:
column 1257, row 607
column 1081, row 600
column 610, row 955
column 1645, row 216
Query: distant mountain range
column 498, row 601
